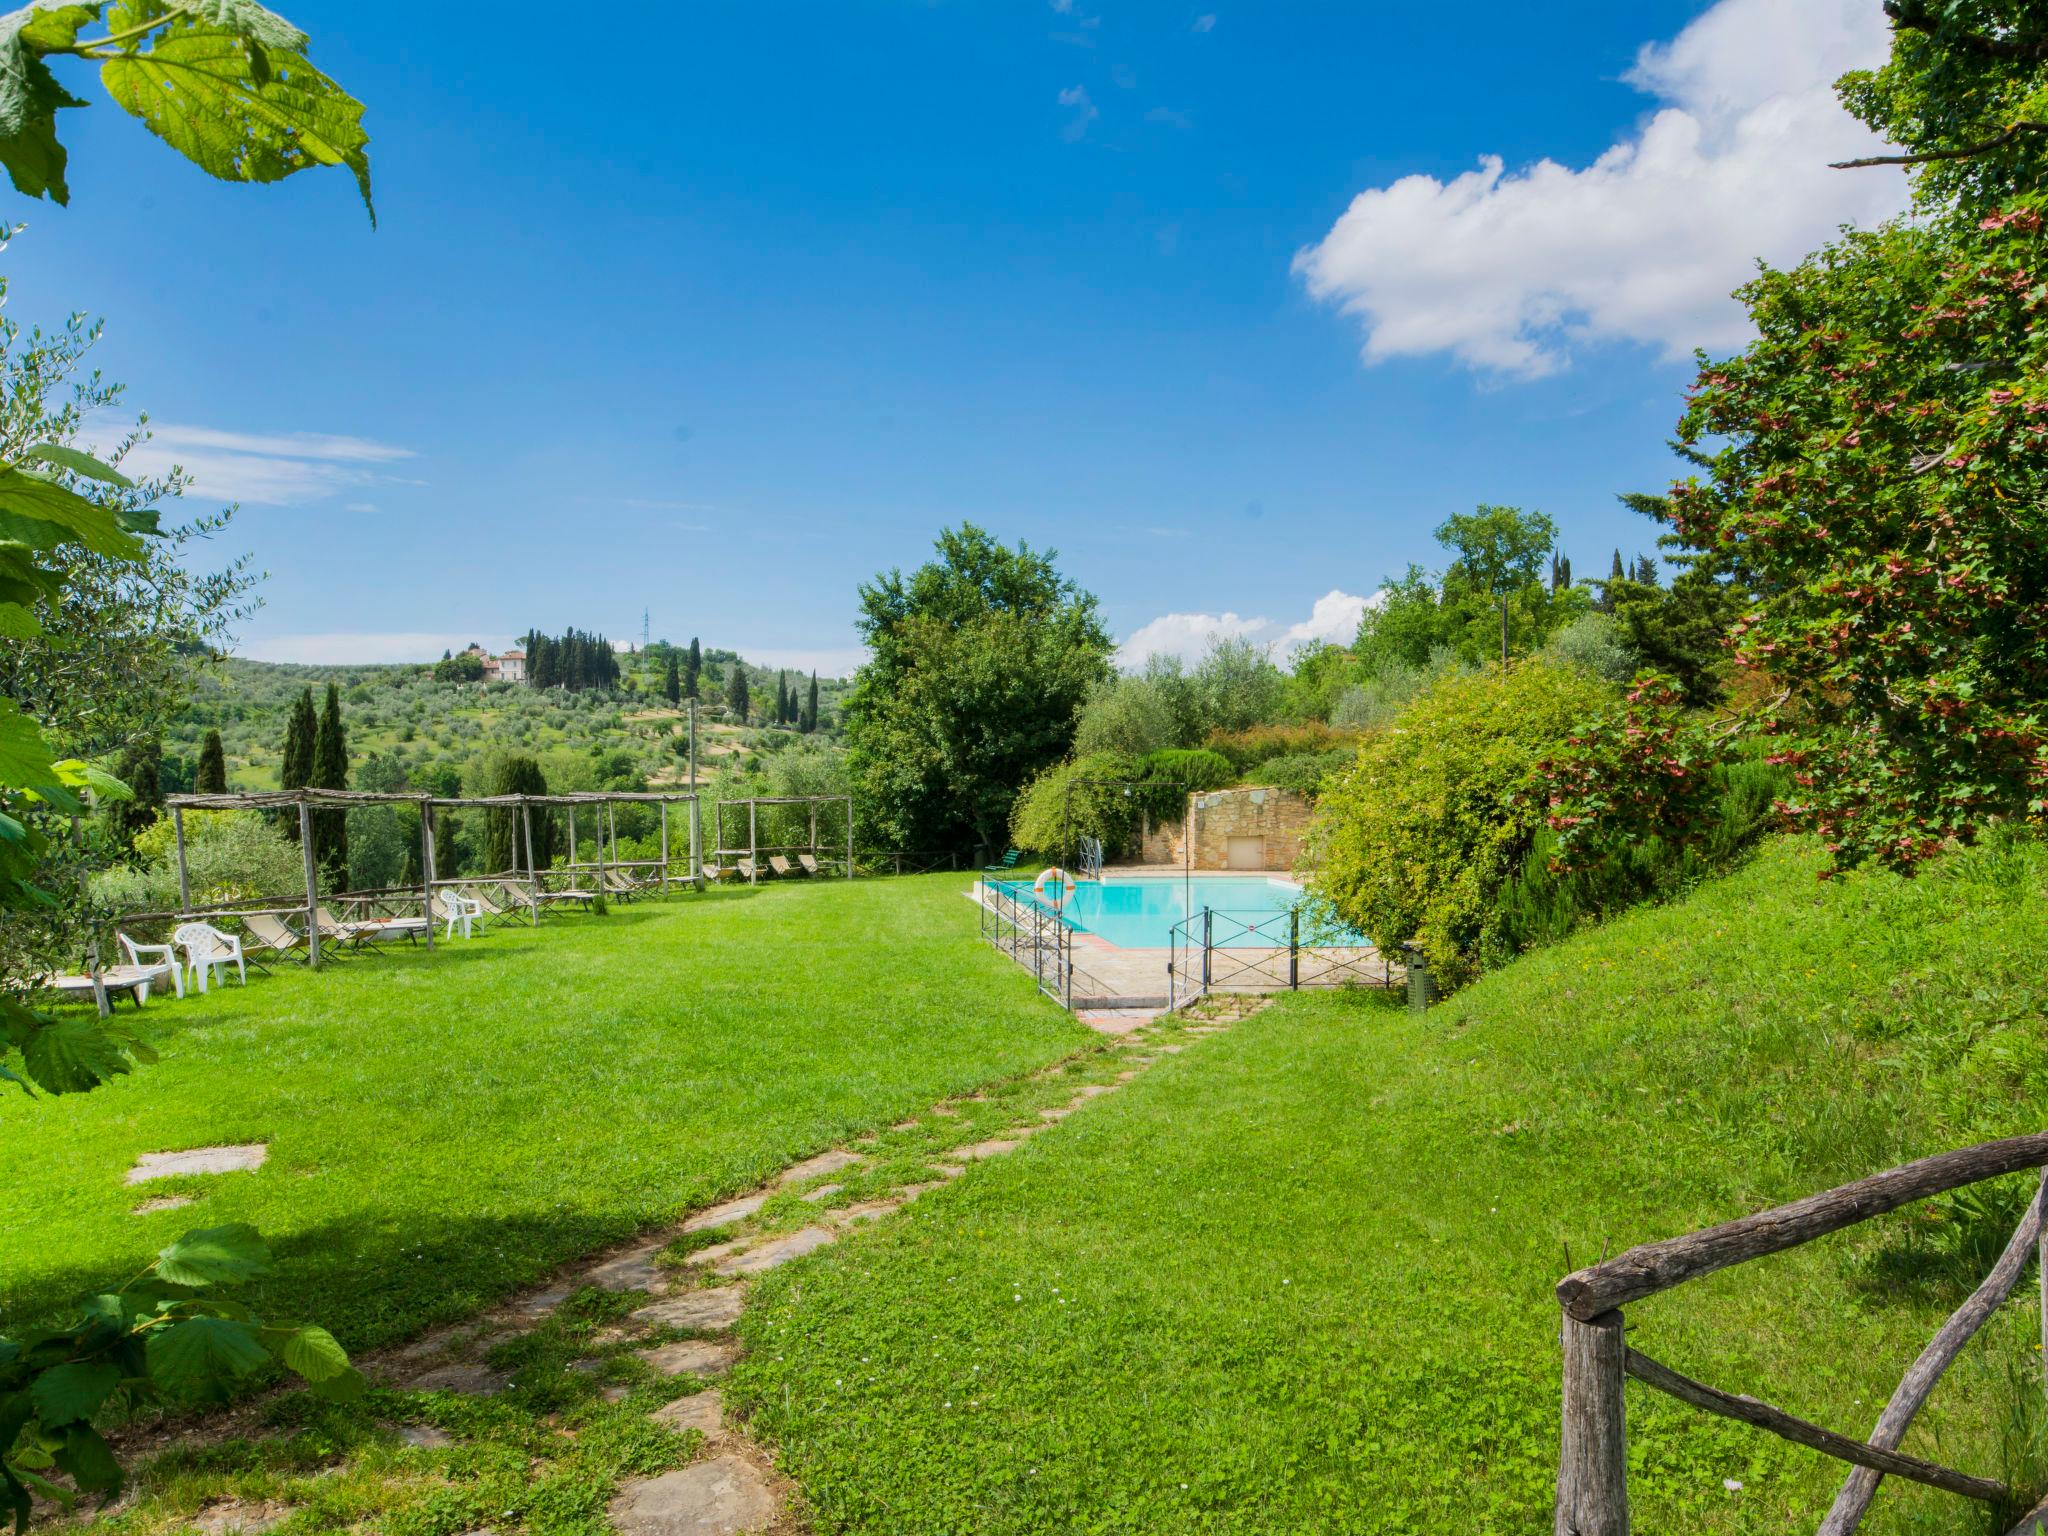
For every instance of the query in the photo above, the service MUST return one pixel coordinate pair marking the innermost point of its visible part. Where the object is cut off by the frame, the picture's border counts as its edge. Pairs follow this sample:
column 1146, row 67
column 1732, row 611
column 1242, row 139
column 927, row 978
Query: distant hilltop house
column 505, row 667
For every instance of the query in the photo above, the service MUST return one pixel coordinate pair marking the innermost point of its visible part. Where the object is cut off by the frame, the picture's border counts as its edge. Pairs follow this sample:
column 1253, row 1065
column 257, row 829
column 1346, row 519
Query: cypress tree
column 1645, row 571
column 672, row 681
column 504, row 834
column 212, row 777
column 330, row 771
column 141, row 768
column 782, row 698
column 693, row 670
column 811, row 709
column 736, row 692
column 297, row 769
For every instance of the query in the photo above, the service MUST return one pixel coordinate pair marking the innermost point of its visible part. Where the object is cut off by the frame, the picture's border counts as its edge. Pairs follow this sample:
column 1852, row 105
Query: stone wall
column 1278, row 817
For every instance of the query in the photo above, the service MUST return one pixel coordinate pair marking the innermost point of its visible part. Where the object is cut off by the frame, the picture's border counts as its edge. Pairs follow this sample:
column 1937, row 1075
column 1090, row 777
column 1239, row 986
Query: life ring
column 1038, row 885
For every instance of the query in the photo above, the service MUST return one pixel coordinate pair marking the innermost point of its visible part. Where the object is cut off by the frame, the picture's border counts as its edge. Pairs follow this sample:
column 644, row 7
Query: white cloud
column 1169, row 116
column 1204, row 24
column 277, row 470
column 1506, row 270
column 337, row 650
column 826, row 663
column 1334, row 618
column 1085, row 112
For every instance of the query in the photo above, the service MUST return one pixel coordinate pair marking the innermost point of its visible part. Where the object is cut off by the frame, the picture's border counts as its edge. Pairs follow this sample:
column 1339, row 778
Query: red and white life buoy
column 1054, row 872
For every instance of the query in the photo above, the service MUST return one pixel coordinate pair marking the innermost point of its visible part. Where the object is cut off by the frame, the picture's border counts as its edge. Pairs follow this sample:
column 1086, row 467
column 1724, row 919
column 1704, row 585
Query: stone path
column 731, row 1488
column 163, row 1165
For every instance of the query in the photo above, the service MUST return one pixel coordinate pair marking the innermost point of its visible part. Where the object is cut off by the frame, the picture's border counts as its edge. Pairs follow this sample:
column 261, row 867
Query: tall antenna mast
column 643, row 629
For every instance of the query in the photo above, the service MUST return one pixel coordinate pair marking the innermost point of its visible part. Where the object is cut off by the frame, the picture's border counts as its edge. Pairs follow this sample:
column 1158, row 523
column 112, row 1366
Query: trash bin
column 1421, row 985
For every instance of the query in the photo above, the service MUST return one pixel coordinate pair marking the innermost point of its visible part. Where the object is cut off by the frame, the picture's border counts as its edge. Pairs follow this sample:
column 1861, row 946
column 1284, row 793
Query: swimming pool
column 1139, row 911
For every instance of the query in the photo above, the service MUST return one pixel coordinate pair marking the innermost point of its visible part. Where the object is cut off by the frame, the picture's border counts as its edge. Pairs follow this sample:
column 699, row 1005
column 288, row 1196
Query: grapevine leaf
column 25, row 760
column 197, row 90
column 78, row 462
column 86, row 1457
column 30, row 98
column 251, row 20
column 41, row 513
column 72, row 1056
column 65, row 1394
column 348, row 1387
column 203, row 1355
column 215, row 1256
column 76, row 773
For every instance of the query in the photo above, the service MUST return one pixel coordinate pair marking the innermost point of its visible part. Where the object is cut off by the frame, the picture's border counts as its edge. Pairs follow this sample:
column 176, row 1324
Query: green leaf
column 251, row 20
column 25, row 761
column 89, row 1461
column 76, row 773
column 78, row 462
column 29, row 101
column 40, row 513
column 203, row 1355
column 314, row 1354
column 56, row 26
column 197, row 90
column 215, row 1256
column 14, row 1494
column 72, row 1056
column 64, row 1394
column 348, row 1387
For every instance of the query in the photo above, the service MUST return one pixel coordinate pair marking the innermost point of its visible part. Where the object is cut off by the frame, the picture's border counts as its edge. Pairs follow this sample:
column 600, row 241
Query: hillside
column 422, row 727
column 1299, row 1276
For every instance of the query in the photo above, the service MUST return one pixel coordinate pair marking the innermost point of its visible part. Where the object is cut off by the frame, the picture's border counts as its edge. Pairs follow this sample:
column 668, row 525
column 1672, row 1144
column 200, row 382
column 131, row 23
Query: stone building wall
column 1279, row 818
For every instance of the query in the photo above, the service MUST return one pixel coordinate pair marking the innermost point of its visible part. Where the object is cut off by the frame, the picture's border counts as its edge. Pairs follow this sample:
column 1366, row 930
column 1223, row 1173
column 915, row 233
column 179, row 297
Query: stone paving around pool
column 691, row 1284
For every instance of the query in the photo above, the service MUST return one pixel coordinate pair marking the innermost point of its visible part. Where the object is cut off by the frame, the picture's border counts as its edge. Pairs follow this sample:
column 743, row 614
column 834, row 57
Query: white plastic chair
column 453, row 907
column 167, row 960
column 207, row 948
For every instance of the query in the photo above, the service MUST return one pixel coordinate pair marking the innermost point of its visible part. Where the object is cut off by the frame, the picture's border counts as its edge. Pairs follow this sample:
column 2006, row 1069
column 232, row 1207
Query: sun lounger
column 482, row 896
column 809, row 862
column 1004, row 865
column 746, row 870
column 617, row 884
column 781, row 866
column 135, row 980
column 717, row 874
column 334, row 931
column 273, row 936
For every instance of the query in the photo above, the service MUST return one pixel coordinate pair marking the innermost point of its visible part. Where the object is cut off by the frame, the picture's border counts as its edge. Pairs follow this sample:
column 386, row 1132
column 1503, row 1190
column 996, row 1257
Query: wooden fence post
column 1592, row 1465
column 427, row 868
column 184, row 873
column 664, row 847
column 312, row 888
column 532, row 875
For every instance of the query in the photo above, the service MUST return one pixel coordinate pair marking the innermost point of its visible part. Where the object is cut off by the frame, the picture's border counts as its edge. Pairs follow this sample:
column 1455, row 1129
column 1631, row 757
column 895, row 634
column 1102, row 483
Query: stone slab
column 164, row 1165
column 726, row 1213
column 867, row 1210
column 634, row 1270
column 238, row 1515
column 425, row 1437
column 466, row 1377
column 825, row 1162
column 161, row 1203
column 719, row 1308
column 702, row 1411
column 698, row 1357
column 982, row 1150
column 776, row 1251
column 719, row 1496
column 822, row 1192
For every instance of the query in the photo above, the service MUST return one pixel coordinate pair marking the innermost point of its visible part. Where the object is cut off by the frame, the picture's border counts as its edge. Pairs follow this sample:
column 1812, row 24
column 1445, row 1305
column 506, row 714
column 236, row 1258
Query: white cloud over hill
column 1505, row 270
column 1334, row 618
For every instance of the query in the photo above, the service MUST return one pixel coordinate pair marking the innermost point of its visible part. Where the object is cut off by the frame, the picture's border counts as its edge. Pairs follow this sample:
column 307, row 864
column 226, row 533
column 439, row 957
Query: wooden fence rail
column 1592, row 1473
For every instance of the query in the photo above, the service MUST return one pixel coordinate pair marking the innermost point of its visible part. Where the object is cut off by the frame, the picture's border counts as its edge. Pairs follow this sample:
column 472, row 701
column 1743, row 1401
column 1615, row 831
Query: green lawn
column 1298, row 1278
column 445, row 1128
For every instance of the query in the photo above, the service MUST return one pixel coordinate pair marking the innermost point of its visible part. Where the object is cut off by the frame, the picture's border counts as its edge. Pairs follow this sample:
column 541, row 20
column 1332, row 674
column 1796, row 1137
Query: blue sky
column 715, row 312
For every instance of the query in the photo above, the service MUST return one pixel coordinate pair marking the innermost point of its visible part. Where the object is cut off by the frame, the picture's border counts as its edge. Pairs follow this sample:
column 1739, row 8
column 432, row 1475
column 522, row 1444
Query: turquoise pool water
column 1138, row 912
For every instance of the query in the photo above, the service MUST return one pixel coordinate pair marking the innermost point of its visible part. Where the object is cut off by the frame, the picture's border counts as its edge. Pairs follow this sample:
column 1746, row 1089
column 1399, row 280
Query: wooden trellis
column 755, row 847
column 1592, row 1472
column 306, row 801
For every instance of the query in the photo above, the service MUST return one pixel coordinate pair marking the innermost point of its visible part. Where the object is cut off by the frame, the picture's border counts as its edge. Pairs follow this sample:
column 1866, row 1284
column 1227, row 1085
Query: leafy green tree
column 979, row 662
column 1500, row 552
column 330, row 771
column 212, row 777
column 464, row 667
column 1236, row 685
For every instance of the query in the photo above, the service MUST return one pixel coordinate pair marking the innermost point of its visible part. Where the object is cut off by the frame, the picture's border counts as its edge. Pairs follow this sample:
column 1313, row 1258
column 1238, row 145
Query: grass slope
column 445, row 1128
column 1299, row 1277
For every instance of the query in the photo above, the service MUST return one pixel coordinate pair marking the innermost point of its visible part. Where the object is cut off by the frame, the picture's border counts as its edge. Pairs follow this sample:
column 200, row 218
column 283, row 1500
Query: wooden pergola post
column 427, row 867
column 184, row 873
column 532, row 875
column 572, row 844
column 813, row 808
column 753, row 851
column 312, row 887
column 609, row 826
column 696, row 842
column 849, row 837
column 664, row 847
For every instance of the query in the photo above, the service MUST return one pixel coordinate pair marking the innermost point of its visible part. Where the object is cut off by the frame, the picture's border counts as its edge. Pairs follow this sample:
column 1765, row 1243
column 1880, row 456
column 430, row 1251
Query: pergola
column 306, row 801
column 755, row 847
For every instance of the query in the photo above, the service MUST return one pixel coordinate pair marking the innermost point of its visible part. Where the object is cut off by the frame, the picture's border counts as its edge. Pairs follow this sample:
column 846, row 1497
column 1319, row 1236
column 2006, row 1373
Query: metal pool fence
column 1215, row 951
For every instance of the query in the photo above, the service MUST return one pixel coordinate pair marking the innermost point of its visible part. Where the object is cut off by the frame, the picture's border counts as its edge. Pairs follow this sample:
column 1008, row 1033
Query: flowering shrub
column 1629, row 773
column 1882, row 485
